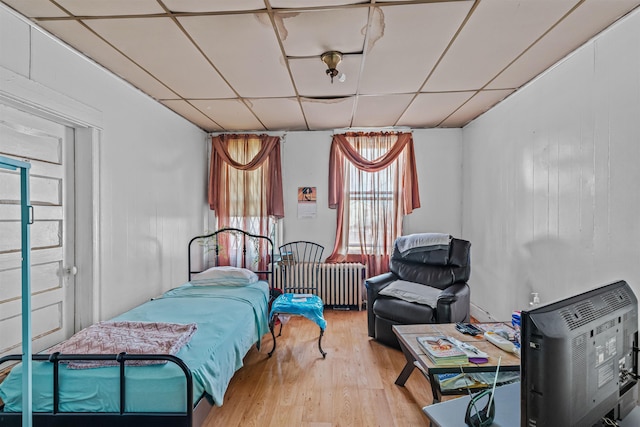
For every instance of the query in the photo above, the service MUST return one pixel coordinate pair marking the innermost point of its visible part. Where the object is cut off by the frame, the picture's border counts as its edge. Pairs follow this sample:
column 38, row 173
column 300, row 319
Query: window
column 245, row 183
column 372, row 201
column 373, row 184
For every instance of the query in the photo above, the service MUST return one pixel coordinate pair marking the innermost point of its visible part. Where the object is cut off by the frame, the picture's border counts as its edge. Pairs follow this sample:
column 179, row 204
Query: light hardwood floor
column 353, row 386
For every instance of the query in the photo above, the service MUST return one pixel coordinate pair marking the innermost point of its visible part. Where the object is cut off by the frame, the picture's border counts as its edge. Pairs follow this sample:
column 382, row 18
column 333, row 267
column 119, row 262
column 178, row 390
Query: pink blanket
column 130, row 337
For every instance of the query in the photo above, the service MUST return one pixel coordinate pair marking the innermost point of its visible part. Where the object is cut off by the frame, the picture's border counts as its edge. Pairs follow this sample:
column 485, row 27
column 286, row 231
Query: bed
column 219, row 314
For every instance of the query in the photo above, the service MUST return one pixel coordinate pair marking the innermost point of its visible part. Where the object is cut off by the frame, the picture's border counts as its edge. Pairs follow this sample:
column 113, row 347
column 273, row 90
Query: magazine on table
column 442, row 351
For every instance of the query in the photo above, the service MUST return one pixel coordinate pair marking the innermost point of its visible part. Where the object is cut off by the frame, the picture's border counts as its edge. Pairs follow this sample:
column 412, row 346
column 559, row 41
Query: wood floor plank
column 352, row 386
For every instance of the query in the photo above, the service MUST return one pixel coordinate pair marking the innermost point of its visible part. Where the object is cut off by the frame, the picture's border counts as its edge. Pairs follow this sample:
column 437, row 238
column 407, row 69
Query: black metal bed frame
column 122, row 418
column 193, row 416
column 245, row 235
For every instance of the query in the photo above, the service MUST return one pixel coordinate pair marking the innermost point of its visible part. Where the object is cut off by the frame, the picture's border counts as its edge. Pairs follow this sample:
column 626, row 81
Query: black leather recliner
column 447, row 270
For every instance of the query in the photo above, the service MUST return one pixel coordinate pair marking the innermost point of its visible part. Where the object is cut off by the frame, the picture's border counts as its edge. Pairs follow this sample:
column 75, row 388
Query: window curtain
column 245, row 189
column 373, row 183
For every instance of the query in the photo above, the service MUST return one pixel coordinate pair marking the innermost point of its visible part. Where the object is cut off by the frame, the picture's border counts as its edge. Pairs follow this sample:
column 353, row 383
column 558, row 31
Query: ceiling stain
column 263, row 19
column 279, row 18
column 376, row 29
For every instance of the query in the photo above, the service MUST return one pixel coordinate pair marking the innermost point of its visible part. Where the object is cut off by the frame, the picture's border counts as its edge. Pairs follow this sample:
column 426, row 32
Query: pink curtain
column 371, row 195
column 245, row 184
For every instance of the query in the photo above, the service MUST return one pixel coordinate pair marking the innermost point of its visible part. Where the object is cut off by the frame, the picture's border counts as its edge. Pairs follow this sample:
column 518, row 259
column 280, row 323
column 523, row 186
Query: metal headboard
column 211, row 241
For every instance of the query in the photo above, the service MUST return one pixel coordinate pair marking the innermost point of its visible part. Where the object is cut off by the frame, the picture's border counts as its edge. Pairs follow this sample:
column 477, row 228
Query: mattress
column 230, row 320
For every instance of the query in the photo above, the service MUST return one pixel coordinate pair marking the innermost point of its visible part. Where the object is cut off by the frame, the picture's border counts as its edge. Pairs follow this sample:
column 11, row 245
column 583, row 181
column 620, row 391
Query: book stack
column 441, row 351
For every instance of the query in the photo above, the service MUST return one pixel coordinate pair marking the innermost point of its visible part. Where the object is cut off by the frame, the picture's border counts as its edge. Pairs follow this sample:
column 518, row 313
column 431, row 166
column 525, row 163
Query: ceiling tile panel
column 292, row 4
column 213, row 5
column 325, row 114
column 307, row 34
column 399, row 61
column 480, row 103
column 380, row 111
column 192, row 114
column 232, row 65
column 36, row 8
column 95, row 48
column 312, row 80
column 279, row 113
column 253, row 63
column 159, row 46
column 497, row 32
column 429, row 109
column 410, row 1
column 231, row 114
column 590, row 18
column 111, row 7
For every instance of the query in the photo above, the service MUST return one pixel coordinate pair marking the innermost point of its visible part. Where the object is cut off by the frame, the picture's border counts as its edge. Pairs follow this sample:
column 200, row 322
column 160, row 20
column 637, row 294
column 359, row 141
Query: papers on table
column 474, row 355
column 450, row 351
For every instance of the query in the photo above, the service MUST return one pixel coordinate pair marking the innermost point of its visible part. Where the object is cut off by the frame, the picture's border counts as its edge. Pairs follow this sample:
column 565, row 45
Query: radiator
column 341, row 286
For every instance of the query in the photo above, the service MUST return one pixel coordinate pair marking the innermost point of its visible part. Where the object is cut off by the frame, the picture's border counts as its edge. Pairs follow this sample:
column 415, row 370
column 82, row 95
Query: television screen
column 580, row 359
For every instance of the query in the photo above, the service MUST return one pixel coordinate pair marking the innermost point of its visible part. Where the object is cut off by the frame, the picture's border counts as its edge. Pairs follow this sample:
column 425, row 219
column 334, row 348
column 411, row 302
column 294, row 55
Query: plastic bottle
column 535, row 300
column 515, row 322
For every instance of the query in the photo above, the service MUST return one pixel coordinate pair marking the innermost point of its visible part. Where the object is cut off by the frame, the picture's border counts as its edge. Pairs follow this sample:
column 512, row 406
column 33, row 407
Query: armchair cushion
column 429, row 248
column 402, row 312
column 412, row 292
column 436, row 275
column 426, row 256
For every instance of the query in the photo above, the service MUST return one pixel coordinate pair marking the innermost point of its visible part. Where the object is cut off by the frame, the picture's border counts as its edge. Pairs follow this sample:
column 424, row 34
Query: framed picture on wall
column 307, row 202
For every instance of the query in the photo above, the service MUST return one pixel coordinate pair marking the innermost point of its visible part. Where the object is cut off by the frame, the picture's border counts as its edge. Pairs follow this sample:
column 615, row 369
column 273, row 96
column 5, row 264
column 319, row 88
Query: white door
column 48, row 146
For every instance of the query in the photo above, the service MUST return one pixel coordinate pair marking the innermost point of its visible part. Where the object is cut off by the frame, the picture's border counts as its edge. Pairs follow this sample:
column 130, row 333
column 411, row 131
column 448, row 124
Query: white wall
column 439, row 164
column 305, row 161
column 152, row 168
column 551, row 200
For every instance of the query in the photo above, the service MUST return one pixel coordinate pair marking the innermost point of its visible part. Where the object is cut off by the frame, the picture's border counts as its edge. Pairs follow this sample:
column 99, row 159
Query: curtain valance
column 371, row 196
column 341, row 148
column 268, row 156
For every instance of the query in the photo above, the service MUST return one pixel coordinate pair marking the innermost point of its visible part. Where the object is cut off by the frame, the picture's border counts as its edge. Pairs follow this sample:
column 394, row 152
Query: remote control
column 468, row 328
column 500, row 342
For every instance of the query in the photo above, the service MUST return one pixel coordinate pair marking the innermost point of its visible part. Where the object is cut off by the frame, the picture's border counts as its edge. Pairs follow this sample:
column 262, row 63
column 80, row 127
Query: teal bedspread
column 230, row 320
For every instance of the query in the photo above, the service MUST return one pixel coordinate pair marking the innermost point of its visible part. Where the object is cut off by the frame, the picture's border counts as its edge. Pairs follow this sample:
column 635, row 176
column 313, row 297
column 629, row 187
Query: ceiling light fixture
column 331, row 59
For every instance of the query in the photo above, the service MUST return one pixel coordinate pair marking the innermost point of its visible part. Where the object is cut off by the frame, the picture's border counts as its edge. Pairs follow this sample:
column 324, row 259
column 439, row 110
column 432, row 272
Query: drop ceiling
column 254, row 65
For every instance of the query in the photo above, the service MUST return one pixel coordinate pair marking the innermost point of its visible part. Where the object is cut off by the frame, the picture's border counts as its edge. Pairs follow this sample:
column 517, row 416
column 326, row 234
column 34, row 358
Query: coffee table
column 416, row 357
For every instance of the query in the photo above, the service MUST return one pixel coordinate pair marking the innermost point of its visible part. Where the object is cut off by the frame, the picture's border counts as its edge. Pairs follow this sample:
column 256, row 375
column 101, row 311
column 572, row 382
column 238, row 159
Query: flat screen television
column 579, row 359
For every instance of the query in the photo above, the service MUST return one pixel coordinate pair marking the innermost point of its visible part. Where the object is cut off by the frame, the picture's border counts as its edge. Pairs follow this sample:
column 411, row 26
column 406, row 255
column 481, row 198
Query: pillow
column 229, row 276
column 412, row 292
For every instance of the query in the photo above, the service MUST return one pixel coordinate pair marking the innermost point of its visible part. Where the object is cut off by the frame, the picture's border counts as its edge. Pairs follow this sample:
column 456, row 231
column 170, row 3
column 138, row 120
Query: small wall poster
column 307, row 202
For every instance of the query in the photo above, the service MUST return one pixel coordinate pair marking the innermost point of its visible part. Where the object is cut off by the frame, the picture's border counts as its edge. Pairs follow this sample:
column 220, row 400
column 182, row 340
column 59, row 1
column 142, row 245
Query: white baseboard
column 481, row 315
